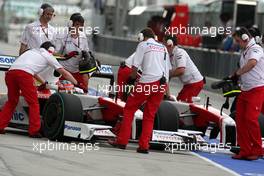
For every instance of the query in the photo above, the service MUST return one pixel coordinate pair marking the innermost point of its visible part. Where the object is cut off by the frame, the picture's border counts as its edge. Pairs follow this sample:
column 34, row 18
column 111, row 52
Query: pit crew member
column 184, row 68
column 71, row 45
column 19, row 79
column 251, row 98
column 39, row 32
column 153, row 58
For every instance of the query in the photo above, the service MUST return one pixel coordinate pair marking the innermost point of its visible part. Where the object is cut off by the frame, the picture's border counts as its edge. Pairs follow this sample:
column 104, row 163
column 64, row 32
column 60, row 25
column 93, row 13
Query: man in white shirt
column 249, row 102
column 153, row 59
column 184, row 68
column 19, row 79
column 39, row 32
column 71, row 44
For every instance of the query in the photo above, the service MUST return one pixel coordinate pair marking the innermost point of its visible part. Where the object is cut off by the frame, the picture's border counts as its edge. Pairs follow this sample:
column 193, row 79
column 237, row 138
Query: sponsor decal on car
column 166, row 136
column 7, row 60
column 18, row 116
column 105, row 133
column 73, row 128
column 106, row 69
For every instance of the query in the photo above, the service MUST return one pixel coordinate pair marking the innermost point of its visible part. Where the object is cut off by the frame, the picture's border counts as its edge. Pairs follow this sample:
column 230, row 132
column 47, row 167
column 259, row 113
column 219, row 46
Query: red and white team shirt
column 153, row 58
column 34, row 61
column 65, row 44
column 182, row 59
column 255, row 77
column 35, row 34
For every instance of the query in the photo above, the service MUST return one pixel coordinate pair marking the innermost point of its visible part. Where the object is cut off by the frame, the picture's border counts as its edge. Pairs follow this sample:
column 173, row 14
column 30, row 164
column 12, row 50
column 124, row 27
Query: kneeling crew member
column 20, row 79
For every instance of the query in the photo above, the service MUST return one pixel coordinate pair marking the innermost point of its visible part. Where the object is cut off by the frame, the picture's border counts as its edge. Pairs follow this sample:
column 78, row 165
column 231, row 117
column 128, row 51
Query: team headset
column 169, row 42
column 51, row 49
column 244, row 37
column 140, row 37
column 70, row 22
column 41, row 10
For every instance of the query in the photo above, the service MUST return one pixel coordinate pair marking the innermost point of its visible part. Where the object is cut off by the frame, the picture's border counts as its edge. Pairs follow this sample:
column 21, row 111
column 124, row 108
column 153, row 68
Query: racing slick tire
column 167, row 117
column 59, row 108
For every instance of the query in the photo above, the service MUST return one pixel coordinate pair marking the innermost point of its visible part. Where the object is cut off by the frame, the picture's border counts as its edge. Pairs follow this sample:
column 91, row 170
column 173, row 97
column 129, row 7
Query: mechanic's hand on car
column 81, row 86
column 71, row 54
column 43, row 86
column 234, row 77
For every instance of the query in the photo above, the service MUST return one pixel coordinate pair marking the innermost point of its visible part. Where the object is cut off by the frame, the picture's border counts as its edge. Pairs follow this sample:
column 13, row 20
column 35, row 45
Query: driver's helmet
column 65, row 86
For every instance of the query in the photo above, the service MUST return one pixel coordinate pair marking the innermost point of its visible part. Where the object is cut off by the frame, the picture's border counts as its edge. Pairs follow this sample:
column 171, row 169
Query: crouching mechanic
column 184, row 68
column 20, row 79
column 153, row 58
column 251, row 98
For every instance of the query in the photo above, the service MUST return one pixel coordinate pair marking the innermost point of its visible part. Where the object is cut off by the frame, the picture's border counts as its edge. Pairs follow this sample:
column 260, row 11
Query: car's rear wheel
column 59, row 108
column 167, row 117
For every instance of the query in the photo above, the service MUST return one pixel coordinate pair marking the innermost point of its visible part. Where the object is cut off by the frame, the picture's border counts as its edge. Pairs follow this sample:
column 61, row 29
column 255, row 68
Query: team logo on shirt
column 155, row 47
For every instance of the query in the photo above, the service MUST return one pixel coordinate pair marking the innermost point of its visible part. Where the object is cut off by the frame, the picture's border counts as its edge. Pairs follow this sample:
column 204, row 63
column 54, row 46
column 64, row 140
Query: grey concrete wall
column 211, row 63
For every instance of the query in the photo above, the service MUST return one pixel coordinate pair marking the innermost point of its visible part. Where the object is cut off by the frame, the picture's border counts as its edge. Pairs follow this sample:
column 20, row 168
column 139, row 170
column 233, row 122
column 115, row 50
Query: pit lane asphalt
column 19, row 154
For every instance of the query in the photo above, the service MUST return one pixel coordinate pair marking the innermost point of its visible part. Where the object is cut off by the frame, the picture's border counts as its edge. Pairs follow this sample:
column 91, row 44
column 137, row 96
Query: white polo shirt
column 255, row 77
column 66, row 44
column 129, row 60
column 153, row 58
column 34, row 34
column 182, row 59
column 34, row 61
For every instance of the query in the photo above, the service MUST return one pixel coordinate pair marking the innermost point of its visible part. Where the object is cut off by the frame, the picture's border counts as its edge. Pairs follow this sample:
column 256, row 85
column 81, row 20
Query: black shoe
column 37, row 135
column 145, row 151
column 114, row 143
column 235, row 149
column 2, row 131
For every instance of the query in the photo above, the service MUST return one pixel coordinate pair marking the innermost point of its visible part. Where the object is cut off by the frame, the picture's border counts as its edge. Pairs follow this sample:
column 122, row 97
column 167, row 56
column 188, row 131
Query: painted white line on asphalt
column 215, row 164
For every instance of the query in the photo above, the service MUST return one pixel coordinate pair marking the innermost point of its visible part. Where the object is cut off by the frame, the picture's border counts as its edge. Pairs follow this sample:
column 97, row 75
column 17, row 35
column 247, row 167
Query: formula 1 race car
column 84, row 116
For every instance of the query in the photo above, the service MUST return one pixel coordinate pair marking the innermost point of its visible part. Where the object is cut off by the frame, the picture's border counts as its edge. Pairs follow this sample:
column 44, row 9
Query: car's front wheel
column 59, row 108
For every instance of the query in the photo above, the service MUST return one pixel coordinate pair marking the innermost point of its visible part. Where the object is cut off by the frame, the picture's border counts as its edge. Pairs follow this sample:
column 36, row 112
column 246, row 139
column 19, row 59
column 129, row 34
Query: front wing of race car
column 88, row 131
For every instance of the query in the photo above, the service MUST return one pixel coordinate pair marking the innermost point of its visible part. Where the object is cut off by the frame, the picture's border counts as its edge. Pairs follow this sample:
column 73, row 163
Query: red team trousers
column 248, row 108
column 190, row 90
column 17, row 82
column 122, row 78
column 134, row 101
